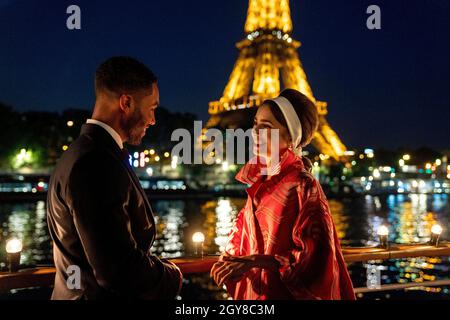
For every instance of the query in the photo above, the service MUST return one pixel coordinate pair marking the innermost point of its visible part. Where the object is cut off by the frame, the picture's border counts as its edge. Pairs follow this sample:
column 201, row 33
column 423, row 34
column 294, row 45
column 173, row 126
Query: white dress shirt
column 110, row 130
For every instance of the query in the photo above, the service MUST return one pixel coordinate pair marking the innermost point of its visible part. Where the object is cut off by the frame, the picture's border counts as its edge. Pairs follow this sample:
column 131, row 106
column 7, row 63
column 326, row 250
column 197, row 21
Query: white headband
column 293, row 123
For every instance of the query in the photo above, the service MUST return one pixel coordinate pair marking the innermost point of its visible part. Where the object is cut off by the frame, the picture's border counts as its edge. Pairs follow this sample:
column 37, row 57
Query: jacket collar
column 100, row 135
column 109, row 129
column 251, row 172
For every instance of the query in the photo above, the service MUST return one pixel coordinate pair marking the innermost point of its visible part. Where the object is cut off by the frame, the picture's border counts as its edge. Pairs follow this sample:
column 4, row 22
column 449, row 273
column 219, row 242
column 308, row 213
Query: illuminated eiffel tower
column 268, row 57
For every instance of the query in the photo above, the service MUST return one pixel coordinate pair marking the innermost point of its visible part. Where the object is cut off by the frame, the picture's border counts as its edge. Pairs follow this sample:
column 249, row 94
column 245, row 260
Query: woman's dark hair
column 307, row 113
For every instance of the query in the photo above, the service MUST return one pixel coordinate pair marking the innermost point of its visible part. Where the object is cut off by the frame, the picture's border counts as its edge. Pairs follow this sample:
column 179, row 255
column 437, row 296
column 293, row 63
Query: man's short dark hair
column 123, row 74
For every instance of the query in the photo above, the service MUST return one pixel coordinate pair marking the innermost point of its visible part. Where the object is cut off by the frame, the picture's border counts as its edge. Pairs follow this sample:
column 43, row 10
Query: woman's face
column 264, row 131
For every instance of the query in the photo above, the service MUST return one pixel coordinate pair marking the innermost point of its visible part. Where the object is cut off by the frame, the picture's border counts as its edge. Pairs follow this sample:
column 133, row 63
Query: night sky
column 385, row 88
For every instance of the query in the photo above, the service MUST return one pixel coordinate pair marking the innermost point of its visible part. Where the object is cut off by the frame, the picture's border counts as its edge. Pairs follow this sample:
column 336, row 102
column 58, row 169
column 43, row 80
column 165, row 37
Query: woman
column 283, row 244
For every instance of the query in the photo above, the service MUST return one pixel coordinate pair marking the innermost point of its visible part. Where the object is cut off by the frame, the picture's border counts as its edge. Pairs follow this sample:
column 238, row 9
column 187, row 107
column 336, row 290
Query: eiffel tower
column 267, row 59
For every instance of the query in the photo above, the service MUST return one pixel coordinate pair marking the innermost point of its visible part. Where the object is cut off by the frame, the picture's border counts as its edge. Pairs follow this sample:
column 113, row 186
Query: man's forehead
column 151, row 96
column 156, row 93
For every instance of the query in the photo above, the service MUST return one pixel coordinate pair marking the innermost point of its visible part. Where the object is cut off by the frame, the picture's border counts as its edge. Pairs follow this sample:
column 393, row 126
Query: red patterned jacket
column 291, row 221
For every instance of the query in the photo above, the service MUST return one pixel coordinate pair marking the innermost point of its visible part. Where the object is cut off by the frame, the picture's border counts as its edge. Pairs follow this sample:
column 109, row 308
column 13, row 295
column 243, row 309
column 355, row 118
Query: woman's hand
column 234, row 267
column 231, row 268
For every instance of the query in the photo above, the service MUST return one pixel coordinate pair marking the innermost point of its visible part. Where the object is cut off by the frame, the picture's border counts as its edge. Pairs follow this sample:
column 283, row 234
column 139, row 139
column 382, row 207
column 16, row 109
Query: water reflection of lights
column 377, row 203
column 219, row 218
column 373, row 204
column 225, row 215
column 415, row 221
column 439, row 202
column 28, row 222
column 340, row 219
column 208, row 210
column 380, row 181
column 169, row 221
column 40, row 235
column 411, row 219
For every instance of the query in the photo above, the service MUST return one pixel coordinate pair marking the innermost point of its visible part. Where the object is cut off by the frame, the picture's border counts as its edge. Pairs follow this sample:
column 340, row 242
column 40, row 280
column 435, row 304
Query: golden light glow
column 266, row 81
column 349, row 153
column 14, row 245
column 152, row 151
column 340, row 219
column 65, row 147
column 239, row 84
column 198, row 237
column 327, row 141
column 376, row 173
column 70, row 123
column 406, row 157
column 166, row 154
column 225, row 166
column 268, row 14
column 383, row 230
column 436, row 229
column 157, row 158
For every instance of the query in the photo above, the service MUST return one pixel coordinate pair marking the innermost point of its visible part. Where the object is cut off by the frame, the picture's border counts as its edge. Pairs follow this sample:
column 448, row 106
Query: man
column 99, row 217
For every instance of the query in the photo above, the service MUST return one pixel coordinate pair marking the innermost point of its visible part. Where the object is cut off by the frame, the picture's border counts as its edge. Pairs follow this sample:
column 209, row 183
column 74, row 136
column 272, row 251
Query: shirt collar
column 251, row 172
column 110, row 130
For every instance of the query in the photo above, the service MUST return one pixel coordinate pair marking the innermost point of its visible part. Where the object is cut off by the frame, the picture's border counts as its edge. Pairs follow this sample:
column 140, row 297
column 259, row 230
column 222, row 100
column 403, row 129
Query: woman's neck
column 273, row 166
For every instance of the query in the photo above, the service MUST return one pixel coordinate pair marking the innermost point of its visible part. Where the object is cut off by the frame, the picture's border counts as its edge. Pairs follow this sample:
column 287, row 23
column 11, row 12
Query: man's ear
column 125, row 102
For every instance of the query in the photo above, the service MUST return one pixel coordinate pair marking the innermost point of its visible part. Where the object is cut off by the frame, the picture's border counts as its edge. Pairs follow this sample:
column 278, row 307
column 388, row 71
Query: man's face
column 141, row 115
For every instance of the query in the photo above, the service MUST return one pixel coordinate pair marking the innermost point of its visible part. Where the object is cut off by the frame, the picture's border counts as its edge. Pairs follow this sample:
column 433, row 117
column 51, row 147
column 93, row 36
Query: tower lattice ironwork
column 268, row 60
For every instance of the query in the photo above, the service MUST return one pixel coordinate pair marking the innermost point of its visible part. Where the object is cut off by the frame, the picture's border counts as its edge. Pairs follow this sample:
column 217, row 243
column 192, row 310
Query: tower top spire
column 268, row 15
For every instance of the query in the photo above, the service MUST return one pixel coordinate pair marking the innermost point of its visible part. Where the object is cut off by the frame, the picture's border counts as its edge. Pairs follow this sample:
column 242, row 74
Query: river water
column 410, row 218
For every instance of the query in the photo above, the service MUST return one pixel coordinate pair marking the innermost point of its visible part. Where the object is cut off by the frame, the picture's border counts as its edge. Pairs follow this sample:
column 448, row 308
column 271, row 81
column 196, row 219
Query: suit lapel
column 138, row 186
column 107, row 141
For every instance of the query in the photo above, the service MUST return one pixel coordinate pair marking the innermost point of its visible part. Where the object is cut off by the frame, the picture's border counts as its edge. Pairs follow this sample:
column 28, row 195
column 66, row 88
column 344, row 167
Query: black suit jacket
column 101, row 221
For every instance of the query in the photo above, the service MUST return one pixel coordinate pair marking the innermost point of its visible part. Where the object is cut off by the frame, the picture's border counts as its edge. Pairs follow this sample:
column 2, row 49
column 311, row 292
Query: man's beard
column 133, row 127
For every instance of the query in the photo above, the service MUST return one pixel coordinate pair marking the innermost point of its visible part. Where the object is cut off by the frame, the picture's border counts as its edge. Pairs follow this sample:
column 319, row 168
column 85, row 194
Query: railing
column 44, row 276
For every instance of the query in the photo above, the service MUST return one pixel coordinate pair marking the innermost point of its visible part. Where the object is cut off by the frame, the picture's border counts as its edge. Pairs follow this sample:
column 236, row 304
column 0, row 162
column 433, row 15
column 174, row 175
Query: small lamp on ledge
column 383, row 233
column 436, row 231
column 13, row 251
column 198, row 238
